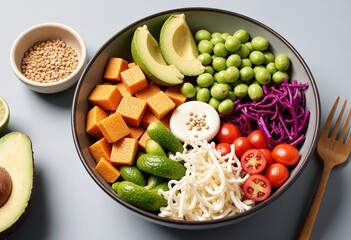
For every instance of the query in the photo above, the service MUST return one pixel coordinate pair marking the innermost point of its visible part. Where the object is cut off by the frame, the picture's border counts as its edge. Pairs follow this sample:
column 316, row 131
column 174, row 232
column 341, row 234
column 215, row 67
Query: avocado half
column 16, row 157
column 147, row 55
column 178, row 46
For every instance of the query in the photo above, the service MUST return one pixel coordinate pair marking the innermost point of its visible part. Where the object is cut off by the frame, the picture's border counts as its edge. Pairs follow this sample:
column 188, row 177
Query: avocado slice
column 147, row 55
column 178, row 46
column 16, row 157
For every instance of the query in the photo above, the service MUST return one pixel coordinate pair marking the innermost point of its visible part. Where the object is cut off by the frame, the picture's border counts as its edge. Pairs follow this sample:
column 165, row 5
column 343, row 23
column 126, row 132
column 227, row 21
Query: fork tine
column 338, row 121
column 346, row 124
column 328, row 122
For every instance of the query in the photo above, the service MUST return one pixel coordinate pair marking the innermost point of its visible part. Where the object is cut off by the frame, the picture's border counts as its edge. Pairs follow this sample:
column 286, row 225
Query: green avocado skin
column 160, row 166
column 140, row 197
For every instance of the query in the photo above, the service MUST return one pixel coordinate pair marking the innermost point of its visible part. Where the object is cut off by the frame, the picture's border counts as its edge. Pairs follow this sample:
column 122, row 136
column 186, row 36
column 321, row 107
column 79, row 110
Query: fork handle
column 307, row 228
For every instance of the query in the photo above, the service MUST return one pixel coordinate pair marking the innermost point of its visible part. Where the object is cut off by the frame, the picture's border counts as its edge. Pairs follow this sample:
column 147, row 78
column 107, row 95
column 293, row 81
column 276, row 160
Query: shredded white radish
column 210, row 188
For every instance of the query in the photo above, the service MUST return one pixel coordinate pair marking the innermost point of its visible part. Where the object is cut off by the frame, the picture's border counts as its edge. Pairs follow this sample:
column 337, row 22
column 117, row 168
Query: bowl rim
column 208, row 223
column 74, row 33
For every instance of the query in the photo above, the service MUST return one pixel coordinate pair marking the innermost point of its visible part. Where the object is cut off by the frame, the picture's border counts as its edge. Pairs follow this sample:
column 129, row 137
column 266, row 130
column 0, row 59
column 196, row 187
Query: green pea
column 216, row 34
column 214, row 102
column 243, row 51
column 219, row 76
column 219, row 63
column 242, row 35
column 282, row 62
column 279, row 76
column 205, row 46
column 217, row 39
column 188, row 90
column 256, row 68
column 204, row 80
column 240, row 90
column 269, row 57
column 231, row 74
column 257, row 57
column 233, row 60
column 205, row 58
column 219, row 91
column 259, row 43
column 203, row 95
column 209, row 69
column 245, row 62
column 225, row 35
column 271, row 68
column 220, row 50
column 231, row 95
column 255, row 92
column 232, row 44
column 202, row 35
column 249, row 45
column 246, row 73
column 262, row 76
column 226, row 107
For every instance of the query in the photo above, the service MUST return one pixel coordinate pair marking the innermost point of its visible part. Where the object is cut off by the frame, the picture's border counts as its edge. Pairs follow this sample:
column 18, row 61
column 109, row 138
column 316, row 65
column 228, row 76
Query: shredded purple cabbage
column 280, row 114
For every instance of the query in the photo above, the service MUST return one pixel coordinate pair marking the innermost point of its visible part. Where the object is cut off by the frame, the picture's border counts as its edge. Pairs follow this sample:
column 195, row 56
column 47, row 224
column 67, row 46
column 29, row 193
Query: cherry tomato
column 277, row 174
column 257, row 139
column 253, row 161
column 257, row 187
column 241, row 145
column 268, row 154
column 286, row 154
column 223, row 148
column 227, row 133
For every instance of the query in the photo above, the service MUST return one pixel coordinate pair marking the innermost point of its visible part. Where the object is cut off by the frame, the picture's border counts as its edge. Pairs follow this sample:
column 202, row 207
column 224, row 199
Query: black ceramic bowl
column 197, row 18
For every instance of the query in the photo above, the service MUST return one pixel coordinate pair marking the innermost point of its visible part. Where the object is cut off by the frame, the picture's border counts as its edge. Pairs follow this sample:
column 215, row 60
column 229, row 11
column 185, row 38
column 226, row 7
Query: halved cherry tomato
column 227, row 132
column 241, row 145
column 253, row 161
column 257, row 187
column 277, row 174
column 268, row 154
column 286, row 154
column 223, row 148
column 257, row 139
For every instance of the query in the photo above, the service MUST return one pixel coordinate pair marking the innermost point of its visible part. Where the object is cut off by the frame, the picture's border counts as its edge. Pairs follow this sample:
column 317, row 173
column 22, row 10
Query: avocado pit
column 5, row 186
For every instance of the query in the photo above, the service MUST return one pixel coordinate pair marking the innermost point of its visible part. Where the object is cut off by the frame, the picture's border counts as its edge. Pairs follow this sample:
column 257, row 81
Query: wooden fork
column 333, row 148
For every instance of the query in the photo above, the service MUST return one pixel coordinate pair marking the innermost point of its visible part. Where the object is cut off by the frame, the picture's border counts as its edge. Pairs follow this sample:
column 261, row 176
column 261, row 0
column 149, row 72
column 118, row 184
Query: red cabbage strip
column 280, row 114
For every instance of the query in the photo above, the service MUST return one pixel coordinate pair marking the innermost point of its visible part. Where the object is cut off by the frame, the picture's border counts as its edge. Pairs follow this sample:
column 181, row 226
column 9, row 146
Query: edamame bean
column 203, row 95
column 209, row 69
column 279, row 76
column 231, row 74
column 282, row 62
column 259, row 43
column 240, row 90
column 202, row 35
column 246, row 73
column 262, row 76
column 233, row 60
column 249, row 45
column 245, row 62
column 205, row 46
column 214, row 102
column 205, row 58
column 219, row 63
column 243, row 51
column 271, row 68
column 269, row 57
column 220, row 50
column 219, row 76
column 232, row 44
column 217, row 39
column 242, row 35
column 226, row 107
column 204, row 80
column 188, row 90
column 225, row 35
column 255, row 92
column 231, row 95
column 219, row 91
column 257, row 57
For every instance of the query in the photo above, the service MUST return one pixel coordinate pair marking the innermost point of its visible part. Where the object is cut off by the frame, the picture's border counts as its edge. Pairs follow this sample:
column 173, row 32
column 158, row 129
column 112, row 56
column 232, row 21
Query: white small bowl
column 45, row 32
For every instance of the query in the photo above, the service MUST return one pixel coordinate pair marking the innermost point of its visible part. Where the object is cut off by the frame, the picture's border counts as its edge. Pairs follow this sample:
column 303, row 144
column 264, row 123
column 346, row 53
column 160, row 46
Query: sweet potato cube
column 124, row 151
column 131, row 64
column 132, row 110
column 94, row 116
column 123, row 90
column 134, row 79
column 173, row 92
column 100, row 149
column 114, row 67
column 148, row 118
column 107, row 171
column 113, row 127
column 160, row 104
column 143, row 139
column 105, row 96
column 135, row 132
column 147, row 92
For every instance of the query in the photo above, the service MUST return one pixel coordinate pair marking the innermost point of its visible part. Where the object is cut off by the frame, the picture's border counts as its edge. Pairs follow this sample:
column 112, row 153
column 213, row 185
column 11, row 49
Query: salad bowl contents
column 196, row 117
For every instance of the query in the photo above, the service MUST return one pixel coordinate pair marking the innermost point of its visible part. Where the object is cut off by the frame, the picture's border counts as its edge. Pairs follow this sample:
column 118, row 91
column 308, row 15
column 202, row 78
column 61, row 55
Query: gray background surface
column 67, row 202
